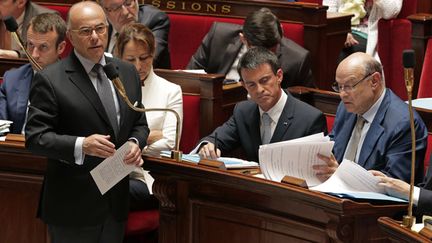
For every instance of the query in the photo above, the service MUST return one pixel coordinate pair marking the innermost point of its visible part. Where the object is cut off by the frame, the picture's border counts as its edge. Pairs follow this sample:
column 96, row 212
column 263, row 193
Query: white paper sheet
column 294, row 158
column 112, row 169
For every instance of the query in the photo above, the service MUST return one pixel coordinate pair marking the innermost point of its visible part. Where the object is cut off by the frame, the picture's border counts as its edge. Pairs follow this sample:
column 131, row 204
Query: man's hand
column 324, row 172
column 208, row 151
column 393, row 187
column 98, row 145
column 350, row 40
column 134, row 155
column 8, row 53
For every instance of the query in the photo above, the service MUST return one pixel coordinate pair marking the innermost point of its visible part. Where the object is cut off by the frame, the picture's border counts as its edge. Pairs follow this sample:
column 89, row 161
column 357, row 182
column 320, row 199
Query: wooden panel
column 21, row 176
column 397, row 233
column 199, row 204
column 424, row 6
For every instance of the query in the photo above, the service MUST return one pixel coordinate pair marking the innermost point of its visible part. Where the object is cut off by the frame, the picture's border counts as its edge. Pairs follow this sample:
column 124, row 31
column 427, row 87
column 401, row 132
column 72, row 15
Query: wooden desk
column 398, row 233
column 208, row 205
column 21, row 176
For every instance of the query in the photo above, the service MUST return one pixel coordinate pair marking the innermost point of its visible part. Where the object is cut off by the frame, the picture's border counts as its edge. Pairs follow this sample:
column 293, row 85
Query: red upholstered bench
column 330, row 121
column 191, row 117
column 187, row 32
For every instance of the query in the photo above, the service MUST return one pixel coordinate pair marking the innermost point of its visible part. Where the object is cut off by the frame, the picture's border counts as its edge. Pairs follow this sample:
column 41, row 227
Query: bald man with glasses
column 372, row 126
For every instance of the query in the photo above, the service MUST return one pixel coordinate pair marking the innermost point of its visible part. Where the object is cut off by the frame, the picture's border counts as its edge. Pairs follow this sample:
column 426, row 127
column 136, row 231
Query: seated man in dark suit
column 45, row 43
column 225, row 43
column 22, row 11
column 271, row 115
column 372, row 125
column 123, row 12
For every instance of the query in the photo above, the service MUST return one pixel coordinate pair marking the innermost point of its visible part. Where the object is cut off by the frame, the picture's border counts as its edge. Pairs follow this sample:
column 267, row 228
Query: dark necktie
column 106, row 95
column 351, row 151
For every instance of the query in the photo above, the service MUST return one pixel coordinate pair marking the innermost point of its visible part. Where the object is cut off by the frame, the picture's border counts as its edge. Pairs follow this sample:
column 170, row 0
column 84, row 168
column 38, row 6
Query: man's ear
column 279, row 75
column 376, row 79
column 243, row 39
column 61, row 48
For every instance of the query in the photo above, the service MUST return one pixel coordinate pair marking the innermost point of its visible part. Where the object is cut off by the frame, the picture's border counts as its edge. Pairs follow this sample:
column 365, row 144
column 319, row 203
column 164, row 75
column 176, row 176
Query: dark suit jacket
column 424, row 205
column 64, row 105
column 387, row 145
column 158, row 22
column 14, row 93
column 222, row 44
column 298, row 119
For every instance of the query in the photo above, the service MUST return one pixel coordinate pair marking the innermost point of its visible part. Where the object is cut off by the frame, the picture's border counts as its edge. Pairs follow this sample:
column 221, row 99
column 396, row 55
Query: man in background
column 225, row 43
column 271, row 115
column 76, row 120
column 45, row 43
column 123, row 12
column 23, row 11
column 372, row 125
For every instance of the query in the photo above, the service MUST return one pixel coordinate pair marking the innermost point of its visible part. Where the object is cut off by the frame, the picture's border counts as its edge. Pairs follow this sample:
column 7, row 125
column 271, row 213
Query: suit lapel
column 22, row 92
column 284, row 121
column 230, row 54
column 78, row 76
column 344, row 136
column 375, row 132
column 254, row 126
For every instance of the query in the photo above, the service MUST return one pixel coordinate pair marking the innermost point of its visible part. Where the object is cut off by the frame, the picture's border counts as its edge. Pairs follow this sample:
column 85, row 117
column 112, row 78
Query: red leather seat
column 425, row 85
column 394, row 36
column 191, row 123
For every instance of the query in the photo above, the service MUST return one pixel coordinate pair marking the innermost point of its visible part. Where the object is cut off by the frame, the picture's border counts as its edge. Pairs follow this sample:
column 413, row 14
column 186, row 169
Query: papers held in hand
column 230, row 163
column 4, row 126
column 294, row 158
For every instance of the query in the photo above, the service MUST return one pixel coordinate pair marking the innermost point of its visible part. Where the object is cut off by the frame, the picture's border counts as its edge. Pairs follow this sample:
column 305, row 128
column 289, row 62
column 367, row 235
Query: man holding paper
column 76, row 119
column 372, row 125
column 271, row 115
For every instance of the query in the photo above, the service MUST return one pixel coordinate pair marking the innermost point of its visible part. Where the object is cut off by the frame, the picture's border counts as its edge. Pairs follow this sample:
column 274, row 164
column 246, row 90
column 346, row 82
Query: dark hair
column 256, row 56
column 137, row 32
column 262, row 28
column 46, row 22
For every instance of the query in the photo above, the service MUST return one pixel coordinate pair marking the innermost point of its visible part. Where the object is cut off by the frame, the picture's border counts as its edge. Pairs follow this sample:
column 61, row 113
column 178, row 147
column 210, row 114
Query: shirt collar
column 276, row 110
column 20, row 20
column 88, row 64
column 370, row 114
column 150, row 77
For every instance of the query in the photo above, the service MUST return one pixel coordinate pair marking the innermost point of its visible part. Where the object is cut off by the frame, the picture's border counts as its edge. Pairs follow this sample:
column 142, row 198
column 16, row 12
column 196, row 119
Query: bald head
column 87, row 30
column 82, row 9
column 359, row 77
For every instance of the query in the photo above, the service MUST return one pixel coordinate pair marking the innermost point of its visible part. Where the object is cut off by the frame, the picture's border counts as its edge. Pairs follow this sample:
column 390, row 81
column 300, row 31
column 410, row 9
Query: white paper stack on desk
column 4, row 127
column 294, row 158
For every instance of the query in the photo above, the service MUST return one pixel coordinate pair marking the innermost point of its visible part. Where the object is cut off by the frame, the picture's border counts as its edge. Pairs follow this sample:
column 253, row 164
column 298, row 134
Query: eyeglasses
column 87, row 31
column 126, row 3
column 348, row 88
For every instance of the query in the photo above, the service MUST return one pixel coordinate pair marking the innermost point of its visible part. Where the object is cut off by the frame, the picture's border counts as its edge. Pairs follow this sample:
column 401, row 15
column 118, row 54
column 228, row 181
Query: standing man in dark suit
column 271, row 115
column 23, row 11
column 70, row 122
column 45, row 43
column 372, row 125
column 225, row 43
column 123, row 12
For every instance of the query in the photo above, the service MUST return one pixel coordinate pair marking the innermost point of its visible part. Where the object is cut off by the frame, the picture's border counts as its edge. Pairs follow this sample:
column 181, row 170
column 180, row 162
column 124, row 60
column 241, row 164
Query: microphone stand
column 109, row 69
column 12, row 26
column 408, row 56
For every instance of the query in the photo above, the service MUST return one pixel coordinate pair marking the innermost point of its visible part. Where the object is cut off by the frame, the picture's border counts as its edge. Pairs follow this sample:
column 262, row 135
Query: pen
column 215, row 144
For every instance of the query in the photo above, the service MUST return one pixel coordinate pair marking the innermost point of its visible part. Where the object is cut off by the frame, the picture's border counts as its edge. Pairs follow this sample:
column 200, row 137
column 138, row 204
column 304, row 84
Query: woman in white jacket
column 364, row 24
column 136, row 44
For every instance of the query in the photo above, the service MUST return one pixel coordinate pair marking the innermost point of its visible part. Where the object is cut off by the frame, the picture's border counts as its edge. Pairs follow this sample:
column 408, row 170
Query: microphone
column 409, row 63
column 12, row 26
column 113, row 75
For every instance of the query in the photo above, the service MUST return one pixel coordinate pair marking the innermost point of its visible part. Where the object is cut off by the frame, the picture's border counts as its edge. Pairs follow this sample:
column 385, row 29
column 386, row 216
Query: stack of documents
column 4, row 127
column 294, row 158
column 230, row 163
column 353, row 181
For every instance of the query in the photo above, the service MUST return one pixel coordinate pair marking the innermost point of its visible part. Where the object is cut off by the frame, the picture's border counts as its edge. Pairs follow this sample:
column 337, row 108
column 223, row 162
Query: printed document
column 294, row 158
column 112, row 169
column 353, row 181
